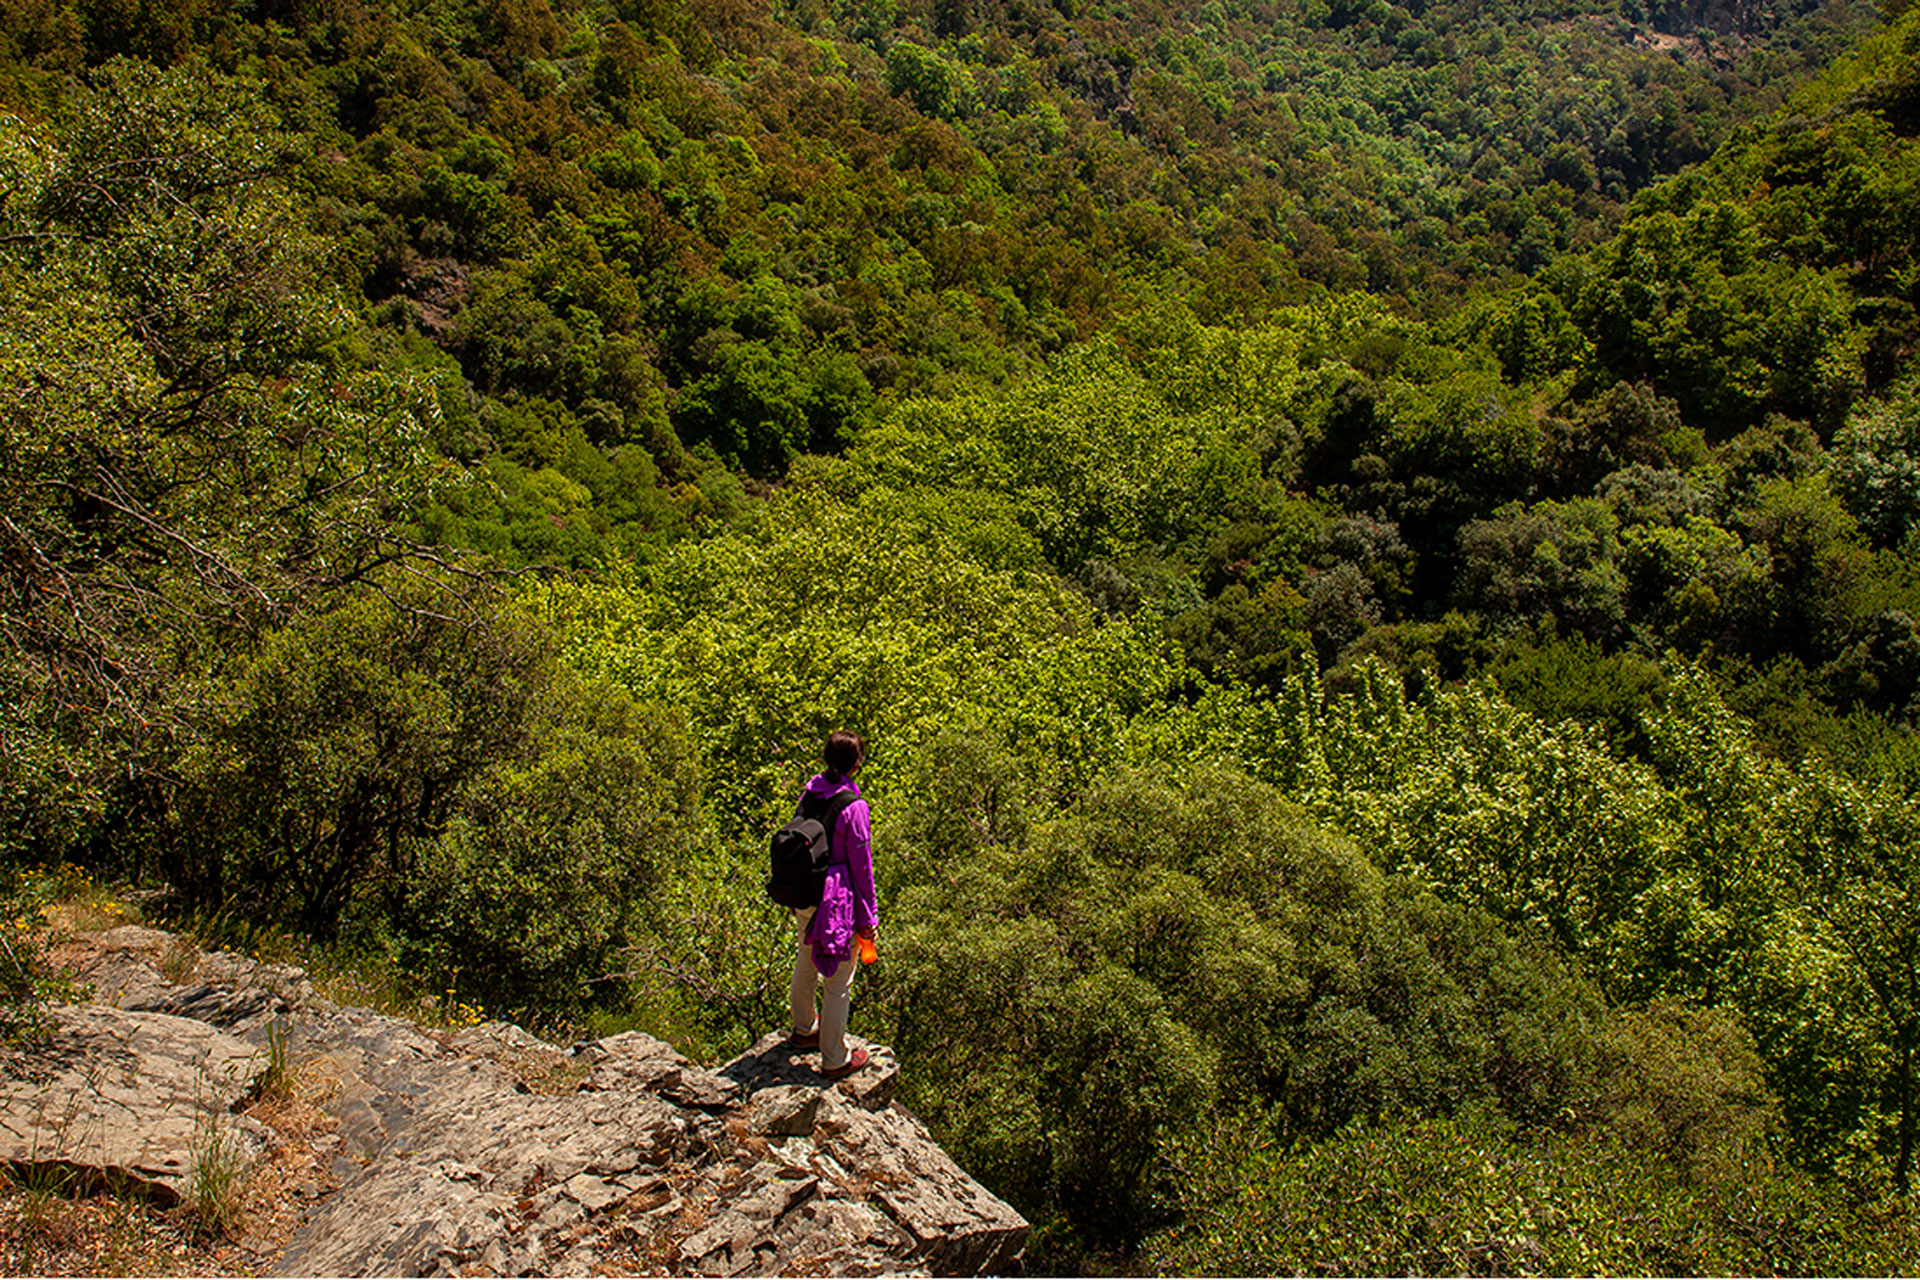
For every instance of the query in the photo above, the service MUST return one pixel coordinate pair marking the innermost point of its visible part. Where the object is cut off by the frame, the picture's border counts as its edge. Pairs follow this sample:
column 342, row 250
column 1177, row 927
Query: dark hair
column 844, row 751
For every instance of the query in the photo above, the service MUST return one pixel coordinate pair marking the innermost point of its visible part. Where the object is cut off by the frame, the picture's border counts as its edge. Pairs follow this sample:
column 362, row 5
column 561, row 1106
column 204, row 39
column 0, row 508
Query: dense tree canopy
column 1374, row 546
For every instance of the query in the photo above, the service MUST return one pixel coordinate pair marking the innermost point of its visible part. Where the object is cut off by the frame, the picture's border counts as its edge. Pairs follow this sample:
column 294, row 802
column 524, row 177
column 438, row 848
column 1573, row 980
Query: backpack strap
column 828, row 810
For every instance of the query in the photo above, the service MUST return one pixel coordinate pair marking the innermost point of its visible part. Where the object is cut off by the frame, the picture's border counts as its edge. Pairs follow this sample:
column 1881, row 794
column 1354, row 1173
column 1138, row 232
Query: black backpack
column 802, row 849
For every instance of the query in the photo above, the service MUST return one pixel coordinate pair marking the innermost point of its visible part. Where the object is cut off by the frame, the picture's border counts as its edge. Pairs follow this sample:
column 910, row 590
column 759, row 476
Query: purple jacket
column 847, row 902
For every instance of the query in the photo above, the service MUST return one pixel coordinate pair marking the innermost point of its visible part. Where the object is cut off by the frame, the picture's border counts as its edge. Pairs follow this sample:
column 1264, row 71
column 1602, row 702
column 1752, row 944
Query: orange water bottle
column 868, row 952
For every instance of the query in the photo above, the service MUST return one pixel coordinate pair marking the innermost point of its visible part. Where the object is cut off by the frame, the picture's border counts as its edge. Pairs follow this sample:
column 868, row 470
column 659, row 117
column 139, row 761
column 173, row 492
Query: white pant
column 836, row 1001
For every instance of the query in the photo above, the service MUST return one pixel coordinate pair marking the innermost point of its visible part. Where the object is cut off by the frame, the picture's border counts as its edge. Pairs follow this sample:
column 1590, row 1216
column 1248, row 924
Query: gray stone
column 593, row 1193
column 784, row 1111
column 503, row 1035
column 751, row 1225
column 127, row 1099
column 580, row 1262
column 773, row 1063
column 125, row 964
column 561, row 1213
column 636, row 1060
column 447, row 1164
column 147, row 970
column 229, row 1008
column 958, row 1227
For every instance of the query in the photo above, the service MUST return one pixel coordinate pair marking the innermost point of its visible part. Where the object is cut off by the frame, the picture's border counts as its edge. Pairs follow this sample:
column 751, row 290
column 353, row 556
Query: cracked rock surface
column 634, row 1159
column 125, row 1100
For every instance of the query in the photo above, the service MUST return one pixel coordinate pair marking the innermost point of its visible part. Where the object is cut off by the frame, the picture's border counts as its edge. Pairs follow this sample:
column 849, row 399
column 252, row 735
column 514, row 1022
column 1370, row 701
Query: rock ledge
column 447, row 1164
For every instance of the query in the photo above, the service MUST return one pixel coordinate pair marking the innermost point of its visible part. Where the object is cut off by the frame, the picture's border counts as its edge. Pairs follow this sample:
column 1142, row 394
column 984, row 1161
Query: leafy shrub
column 1472, row 1195
column 342, row 749
column 1874, row 467
column 533, row 886
column 22, row 1007
column 1687, row 1084
column 1080, row 990
column 439, row 786
column 1572, row 677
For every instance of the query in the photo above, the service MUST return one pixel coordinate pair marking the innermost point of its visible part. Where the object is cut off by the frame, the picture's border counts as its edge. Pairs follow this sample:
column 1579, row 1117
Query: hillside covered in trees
column 1374, row 546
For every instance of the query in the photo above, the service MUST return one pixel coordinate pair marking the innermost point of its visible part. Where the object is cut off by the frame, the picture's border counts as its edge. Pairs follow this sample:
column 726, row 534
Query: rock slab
column 624, row 1157
column 651, row 1163
column 128, row 1099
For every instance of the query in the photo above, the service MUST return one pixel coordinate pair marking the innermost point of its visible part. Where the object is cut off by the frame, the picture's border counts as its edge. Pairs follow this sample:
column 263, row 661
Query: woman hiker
column 848, row 912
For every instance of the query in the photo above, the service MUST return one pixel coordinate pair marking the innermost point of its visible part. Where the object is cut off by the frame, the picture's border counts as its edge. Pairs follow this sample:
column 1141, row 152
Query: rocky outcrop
column 131, row 1101
column 489, row 1151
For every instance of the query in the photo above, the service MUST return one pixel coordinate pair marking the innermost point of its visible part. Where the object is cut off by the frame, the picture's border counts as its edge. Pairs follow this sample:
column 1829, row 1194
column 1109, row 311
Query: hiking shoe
column 803, row 1040
column 857, row 1060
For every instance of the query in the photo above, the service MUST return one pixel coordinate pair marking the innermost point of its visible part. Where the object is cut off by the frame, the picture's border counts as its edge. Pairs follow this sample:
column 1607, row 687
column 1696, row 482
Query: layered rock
column 132, row 1101
column 631, row 1159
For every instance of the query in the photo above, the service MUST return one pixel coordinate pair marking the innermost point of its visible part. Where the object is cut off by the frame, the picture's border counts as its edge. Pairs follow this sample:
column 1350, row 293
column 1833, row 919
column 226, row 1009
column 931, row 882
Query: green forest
column 1375, row 546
